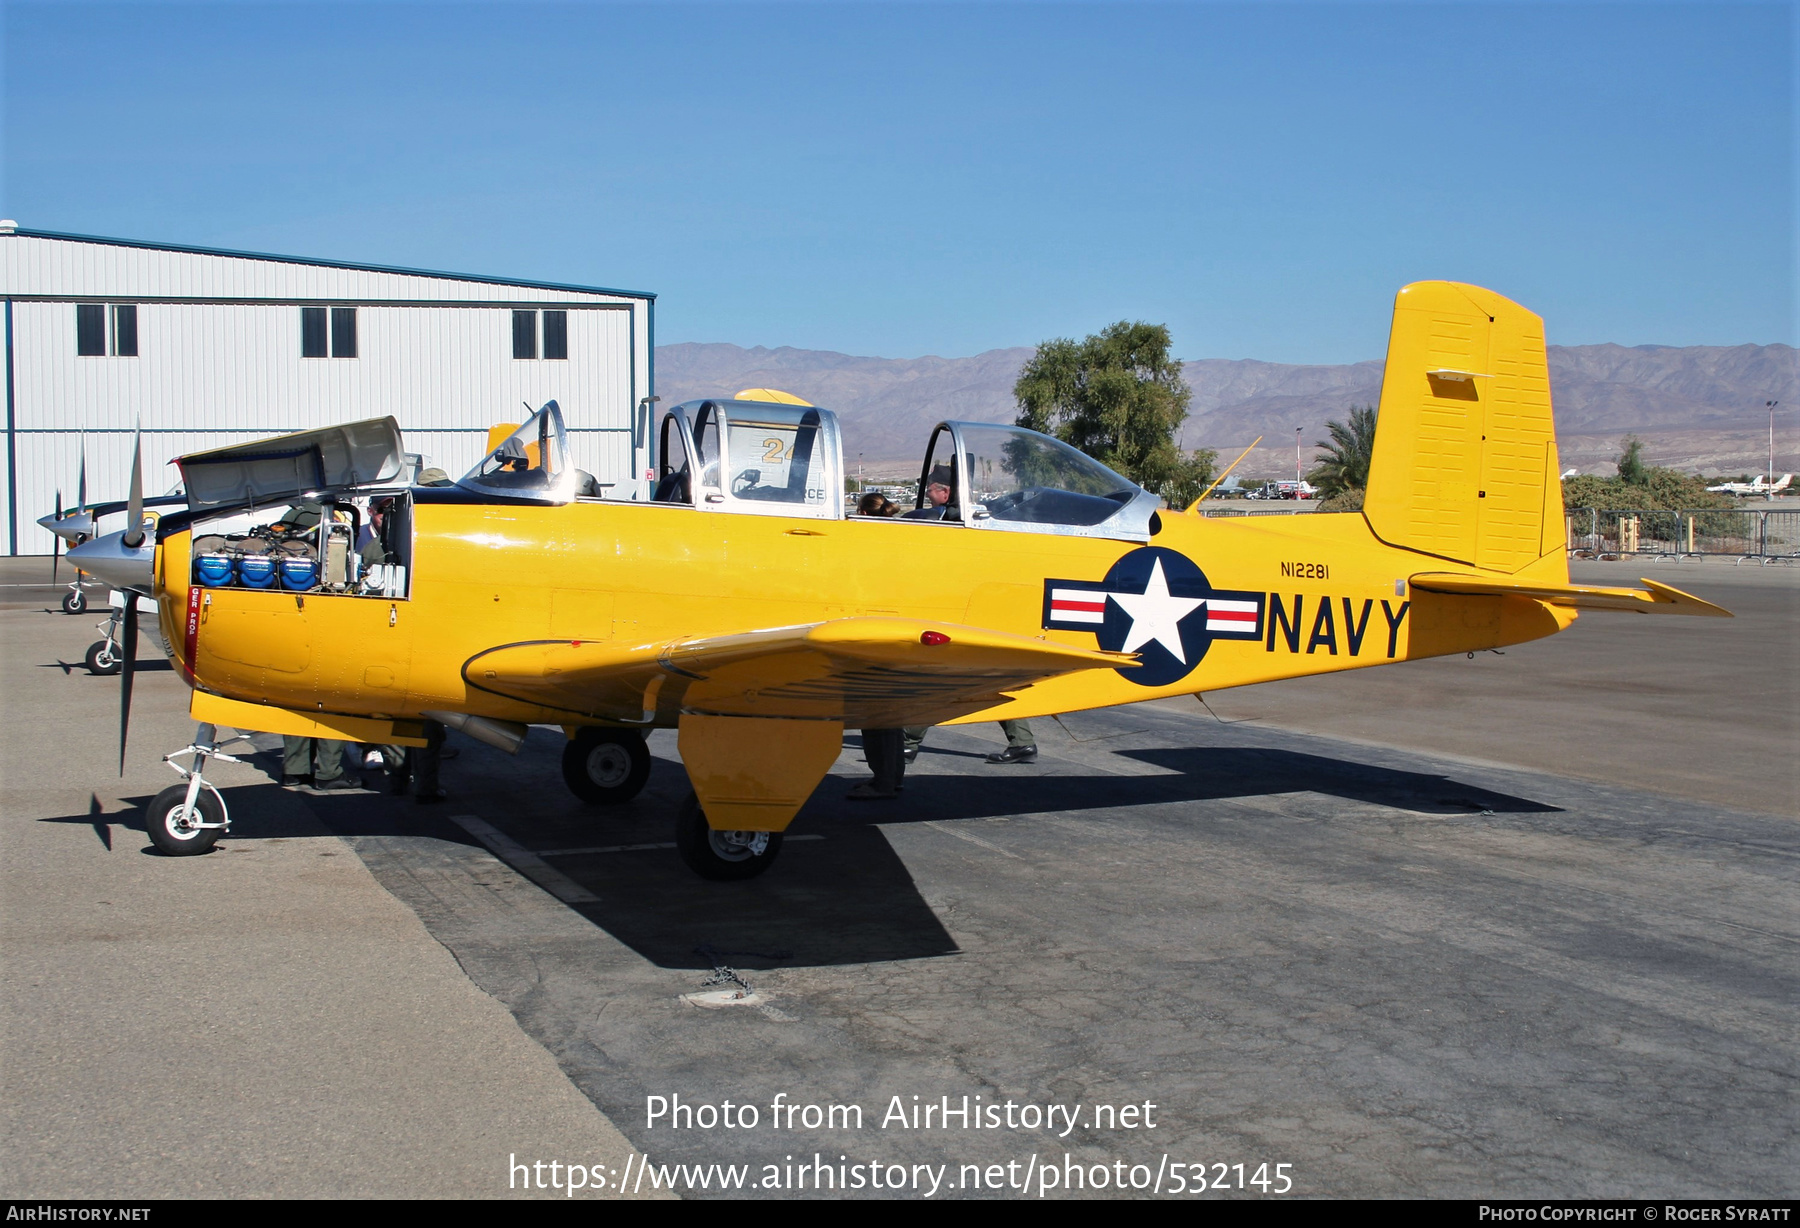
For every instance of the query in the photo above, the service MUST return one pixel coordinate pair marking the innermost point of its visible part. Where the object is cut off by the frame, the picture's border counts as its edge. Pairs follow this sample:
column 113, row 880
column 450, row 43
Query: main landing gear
column 188, row 819
column 723, row 856
column 607, row 767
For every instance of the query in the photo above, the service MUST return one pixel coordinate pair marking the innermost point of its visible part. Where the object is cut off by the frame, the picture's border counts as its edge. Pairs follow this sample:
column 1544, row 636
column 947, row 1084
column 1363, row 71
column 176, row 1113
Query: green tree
column 1343, row 471
column 1118, row 397
column 1659, row 490
column 1632, row 470
column 1640, row 487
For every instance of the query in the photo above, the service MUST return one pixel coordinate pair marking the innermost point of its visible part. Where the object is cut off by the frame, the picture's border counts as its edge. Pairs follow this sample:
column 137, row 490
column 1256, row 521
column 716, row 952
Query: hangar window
column 556, row 334
column 328, row 332
column 525, row 334
column 92, row 337
column 90, row 330
column 343, row 332
column 124, row 331
column 312, row 333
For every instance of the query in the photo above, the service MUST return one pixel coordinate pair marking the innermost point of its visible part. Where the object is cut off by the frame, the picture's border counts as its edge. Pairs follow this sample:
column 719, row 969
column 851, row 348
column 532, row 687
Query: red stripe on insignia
column 1092, row 607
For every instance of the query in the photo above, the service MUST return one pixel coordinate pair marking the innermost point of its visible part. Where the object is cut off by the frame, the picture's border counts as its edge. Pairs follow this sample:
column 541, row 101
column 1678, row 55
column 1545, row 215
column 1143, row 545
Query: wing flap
column 1656, row 599
column 869, row 672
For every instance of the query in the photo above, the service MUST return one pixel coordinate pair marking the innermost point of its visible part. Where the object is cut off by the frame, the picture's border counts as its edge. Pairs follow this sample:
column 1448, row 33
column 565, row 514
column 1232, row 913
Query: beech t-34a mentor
column 742, row 607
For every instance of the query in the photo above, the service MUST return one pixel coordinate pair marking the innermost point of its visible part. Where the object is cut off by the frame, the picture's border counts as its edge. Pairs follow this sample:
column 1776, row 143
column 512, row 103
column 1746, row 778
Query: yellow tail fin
column 1465, row 463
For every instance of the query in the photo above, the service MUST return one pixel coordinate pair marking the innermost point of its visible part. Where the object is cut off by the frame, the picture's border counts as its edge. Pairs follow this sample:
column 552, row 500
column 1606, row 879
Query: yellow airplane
column 744, row 608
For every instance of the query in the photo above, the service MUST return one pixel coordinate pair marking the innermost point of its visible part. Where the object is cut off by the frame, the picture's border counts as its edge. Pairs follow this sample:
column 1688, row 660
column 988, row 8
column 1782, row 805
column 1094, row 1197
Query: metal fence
column 1761, row 535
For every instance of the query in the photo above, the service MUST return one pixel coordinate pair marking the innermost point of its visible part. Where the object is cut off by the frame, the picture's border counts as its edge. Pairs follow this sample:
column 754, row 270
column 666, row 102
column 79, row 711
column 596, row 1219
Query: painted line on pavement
column 634, row 848
column 526, row 862
column 936, row 825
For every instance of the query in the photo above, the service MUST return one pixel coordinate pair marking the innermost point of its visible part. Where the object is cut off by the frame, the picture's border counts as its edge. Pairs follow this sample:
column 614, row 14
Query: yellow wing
column 874, row 673
column 1657, row 599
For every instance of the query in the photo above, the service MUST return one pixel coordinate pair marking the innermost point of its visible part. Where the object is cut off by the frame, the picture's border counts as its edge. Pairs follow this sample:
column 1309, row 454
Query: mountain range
column 1694, row 406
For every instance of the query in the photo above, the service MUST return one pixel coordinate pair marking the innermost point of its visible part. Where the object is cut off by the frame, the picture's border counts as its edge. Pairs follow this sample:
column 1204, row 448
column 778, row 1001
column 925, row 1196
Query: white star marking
column 1155, row 615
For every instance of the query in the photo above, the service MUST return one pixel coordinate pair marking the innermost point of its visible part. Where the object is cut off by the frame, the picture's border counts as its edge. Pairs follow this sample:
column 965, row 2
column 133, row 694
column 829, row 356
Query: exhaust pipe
column 502, row 735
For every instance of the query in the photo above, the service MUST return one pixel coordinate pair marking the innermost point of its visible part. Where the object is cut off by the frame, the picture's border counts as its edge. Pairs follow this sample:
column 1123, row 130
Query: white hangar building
column 208, row 348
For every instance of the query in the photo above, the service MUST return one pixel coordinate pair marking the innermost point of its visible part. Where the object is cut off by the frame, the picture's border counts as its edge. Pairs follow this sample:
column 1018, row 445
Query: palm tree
column 1345, row 465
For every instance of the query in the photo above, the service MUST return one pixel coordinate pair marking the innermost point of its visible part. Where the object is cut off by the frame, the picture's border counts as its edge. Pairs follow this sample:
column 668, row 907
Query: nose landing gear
column 103, row 658
column 187, row 819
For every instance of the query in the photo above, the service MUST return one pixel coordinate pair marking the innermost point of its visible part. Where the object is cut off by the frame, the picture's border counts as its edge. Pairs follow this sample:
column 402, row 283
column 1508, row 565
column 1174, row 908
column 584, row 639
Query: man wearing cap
column 939, row 487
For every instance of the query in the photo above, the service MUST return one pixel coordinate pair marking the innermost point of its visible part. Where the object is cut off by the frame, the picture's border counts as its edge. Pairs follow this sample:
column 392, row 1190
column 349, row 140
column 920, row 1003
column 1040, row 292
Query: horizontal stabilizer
column 1657, row 599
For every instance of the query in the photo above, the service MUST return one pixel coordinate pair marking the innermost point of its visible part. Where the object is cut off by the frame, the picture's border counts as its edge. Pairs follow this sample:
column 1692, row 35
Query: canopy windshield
column 753, row 458
column 772, row 451
column 531, row 463
column 1020, row 475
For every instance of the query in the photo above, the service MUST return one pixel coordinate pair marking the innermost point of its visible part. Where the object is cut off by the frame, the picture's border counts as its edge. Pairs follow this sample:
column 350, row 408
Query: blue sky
column 903, row 179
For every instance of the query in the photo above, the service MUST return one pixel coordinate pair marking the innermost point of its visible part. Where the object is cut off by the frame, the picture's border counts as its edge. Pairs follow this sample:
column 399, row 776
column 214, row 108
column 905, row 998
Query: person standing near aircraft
column 1021, row 746
column 884, row 749
column 315, row 761
column 420, row 766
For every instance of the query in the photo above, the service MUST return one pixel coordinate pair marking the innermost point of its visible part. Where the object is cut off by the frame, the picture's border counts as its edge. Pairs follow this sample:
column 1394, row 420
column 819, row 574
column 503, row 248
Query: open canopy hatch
column 339, row 457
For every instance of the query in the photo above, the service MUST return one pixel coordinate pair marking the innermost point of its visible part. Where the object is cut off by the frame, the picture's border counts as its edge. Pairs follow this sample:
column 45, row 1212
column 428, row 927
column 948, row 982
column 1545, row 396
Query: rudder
column 1465, row 464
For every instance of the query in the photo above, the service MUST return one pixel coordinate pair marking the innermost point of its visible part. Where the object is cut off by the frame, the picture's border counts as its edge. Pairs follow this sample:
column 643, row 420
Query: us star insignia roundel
column 1157, row 603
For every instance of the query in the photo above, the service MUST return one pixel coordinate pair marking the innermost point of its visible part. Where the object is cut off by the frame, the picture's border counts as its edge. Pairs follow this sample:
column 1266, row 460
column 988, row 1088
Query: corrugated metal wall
column 434, row 351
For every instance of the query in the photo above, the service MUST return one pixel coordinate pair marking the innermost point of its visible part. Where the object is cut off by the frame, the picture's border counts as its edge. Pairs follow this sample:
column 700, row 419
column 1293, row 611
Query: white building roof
column 64, row 266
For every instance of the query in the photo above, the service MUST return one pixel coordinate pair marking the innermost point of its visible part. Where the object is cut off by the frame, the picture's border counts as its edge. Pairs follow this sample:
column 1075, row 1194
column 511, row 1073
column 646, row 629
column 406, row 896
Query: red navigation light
column 933, row 637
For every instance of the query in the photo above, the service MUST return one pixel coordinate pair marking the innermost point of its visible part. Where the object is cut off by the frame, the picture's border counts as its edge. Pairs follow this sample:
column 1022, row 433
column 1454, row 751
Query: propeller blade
column 128, row 633
column 81, row 492
column 56, row 540
column 134, row 506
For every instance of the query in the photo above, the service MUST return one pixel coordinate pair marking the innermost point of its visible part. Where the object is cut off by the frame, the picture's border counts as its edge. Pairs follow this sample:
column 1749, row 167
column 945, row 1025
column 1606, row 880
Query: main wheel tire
column 170, row 823
column 102, row 659
column 74, row 601
column 605, row 767
column 723, row 856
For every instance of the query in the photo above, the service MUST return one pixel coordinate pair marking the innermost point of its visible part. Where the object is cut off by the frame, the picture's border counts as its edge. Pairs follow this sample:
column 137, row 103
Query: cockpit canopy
column 992, row 476
column 531, row 463
column 754, row 457
column 772, row 458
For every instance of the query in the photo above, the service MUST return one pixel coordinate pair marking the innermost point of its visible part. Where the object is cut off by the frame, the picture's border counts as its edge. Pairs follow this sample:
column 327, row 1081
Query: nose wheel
column 606, row 767
column 187, row 819
column 103, row 658
column 180, row 827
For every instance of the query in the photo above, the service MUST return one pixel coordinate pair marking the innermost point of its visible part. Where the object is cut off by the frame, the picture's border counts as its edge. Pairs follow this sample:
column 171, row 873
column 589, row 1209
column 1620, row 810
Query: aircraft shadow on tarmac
column 252, row 816
column 1197, row 774
column 153, row 666
column 843, row 897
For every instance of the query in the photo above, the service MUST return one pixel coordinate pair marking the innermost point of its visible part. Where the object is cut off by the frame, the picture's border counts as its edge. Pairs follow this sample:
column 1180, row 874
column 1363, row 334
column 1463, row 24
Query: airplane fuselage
column 1207, row 604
